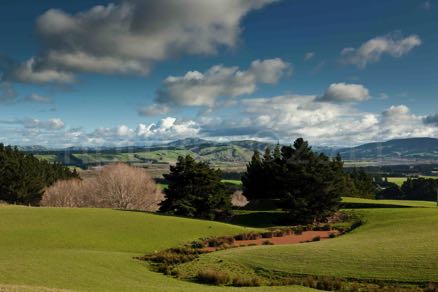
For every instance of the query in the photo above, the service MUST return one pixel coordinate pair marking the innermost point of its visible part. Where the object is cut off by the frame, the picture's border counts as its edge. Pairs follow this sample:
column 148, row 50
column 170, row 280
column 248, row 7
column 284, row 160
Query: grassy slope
column 408, row 203
column 394, row 244
column 92, row 249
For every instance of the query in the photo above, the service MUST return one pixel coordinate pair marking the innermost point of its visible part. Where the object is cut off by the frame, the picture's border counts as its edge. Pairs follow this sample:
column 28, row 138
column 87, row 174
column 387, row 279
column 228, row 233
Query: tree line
column 421, row 189
column 306, row 184
column 23, row 177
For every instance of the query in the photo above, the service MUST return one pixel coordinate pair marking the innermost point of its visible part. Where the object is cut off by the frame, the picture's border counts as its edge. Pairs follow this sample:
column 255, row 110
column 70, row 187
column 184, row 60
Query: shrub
column 219, row 241
column 248, row 236
column 115, row 186
column 267, row 234
column 198, row 244
column 316, row 238
column 173, row 256
column 267, row 242
column 238, row 199
column 214, row 277
column 332, row 235
column 246, row 282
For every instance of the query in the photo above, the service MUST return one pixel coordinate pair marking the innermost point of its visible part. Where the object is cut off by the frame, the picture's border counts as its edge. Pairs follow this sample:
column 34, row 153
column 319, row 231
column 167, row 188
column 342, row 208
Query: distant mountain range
column 233, row 152
column 412, row 149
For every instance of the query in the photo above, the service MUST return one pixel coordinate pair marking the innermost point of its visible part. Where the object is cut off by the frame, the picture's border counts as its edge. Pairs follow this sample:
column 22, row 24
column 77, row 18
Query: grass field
column 93, row 249
column 400, row 180
column 406, row 203
column 394, row 244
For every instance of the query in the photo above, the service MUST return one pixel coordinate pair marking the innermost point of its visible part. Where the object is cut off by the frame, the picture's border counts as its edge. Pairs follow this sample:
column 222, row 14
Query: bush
column 214, row 277
column 246, row 282
column 316, row 238
column 115, row 186
column 332, row 235
column 238, row 199
column 267, row 234
column 219, row 241
column 248, row 236
column 267, row 242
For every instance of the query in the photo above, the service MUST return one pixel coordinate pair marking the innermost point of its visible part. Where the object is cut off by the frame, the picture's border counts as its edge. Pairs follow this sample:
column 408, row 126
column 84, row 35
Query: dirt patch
column 286, row 239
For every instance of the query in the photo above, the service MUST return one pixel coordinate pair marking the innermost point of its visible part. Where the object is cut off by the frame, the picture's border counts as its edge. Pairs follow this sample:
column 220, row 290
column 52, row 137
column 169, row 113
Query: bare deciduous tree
column 115, row 186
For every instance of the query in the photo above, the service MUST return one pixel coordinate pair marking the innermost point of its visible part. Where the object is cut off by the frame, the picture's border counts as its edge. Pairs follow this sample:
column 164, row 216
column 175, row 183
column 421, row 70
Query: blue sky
column 139, row 72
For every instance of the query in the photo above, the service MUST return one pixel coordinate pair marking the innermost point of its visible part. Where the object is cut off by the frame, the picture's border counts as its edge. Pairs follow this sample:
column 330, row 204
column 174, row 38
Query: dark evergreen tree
column 195, row 190
column 364, row 185
column 308, row 184
column 423, row 189
column 23, row 177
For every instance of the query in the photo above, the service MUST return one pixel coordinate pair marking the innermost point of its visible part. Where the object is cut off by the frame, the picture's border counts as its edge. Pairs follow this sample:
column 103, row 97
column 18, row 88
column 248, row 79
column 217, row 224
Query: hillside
column 49, row 249
column 413, row 148
column 404, row 237
column 236, row 152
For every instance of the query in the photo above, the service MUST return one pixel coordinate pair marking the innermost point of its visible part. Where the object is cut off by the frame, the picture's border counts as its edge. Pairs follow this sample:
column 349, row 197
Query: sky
column 137, row 72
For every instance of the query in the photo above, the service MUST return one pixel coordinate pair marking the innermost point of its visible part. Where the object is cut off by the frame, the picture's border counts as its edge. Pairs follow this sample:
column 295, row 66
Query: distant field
column 48, row 157
column 400, row 180
column 233, row 181
column 93, row 249
column 394, row 244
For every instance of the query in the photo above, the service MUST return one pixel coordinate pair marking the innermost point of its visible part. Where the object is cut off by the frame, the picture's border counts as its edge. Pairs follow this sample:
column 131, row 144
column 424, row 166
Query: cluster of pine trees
column 24, row 177
column 307, row 184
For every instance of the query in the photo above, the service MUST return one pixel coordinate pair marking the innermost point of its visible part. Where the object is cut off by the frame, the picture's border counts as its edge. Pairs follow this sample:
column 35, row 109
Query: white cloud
column 287, row 117
column 345, row 92
column 51, row 124
column 124, row 131
column 168, row 129
column 372, row 50
column 203, row 89
column 155, row 109
column 128, row 37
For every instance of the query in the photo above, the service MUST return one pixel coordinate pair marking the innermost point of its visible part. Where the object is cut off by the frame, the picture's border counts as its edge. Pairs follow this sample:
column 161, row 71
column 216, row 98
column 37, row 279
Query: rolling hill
column 413, row 149
column 400, row 151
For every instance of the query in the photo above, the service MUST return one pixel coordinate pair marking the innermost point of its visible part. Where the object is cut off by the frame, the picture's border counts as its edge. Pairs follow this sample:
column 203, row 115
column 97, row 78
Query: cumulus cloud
column 168, row 129
column 287, row 117
column 371, row 51
column 203, row 89
column 345, row 92
column 32, row 72
column 130, row 36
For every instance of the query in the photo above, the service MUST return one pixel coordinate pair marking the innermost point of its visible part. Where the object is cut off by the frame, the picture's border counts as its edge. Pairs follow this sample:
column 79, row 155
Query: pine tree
column 195, row 190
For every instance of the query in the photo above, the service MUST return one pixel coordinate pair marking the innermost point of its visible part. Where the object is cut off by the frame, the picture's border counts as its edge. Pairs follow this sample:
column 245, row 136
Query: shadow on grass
column 258, row 219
